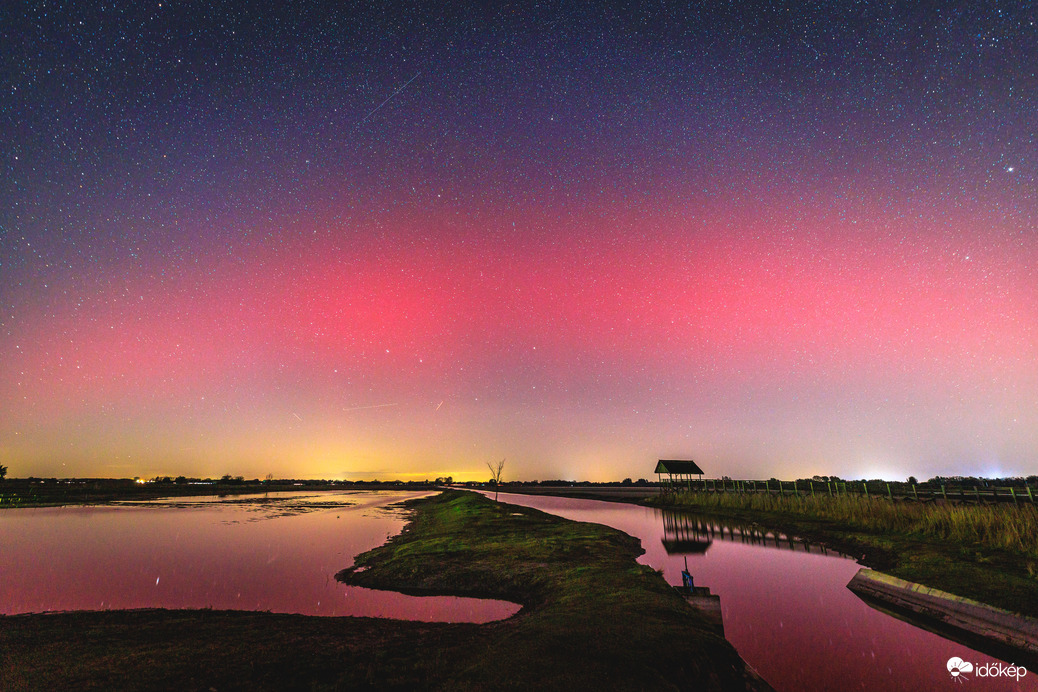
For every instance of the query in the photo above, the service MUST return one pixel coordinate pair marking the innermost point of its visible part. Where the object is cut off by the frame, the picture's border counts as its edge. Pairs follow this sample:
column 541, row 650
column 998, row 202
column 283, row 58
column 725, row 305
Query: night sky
column 374, row 240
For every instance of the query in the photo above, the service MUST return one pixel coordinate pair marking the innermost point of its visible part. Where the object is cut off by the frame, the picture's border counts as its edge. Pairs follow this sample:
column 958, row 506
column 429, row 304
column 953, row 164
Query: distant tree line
column 936, row 481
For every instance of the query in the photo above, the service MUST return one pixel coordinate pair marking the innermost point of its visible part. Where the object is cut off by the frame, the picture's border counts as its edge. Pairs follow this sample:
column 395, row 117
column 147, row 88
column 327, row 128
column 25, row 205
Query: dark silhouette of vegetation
column 496, row 472
column 42, row 492
column 3, row 472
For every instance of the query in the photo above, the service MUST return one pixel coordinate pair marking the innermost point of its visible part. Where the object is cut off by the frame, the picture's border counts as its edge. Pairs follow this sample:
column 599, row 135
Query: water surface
column 785, row 603
column 278, row 553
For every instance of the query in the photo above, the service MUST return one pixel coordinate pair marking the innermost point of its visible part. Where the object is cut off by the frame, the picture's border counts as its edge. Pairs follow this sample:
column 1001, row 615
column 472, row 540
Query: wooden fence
column 880, row 489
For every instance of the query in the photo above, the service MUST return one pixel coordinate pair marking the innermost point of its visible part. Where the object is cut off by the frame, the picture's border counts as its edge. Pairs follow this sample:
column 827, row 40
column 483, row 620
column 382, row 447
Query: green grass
column 592, row 618
column 1002, row 526
column 985, row 552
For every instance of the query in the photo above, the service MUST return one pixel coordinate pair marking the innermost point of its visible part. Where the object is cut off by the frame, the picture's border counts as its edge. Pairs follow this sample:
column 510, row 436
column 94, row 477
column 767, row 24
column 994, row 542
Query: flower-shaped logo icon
column 956, row 666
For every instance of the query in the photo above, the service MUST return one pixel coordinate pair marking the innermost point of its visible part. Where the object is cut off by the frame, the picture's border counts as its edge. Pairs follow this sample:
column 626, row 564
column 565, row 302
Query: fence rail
column 880, row 489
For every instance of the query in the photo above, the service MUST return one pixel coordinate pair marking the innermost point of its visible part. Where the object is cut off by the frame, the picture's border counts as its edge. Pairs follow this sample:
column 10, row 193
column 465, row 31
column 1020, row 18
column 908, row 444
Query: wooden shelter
column 678, row 472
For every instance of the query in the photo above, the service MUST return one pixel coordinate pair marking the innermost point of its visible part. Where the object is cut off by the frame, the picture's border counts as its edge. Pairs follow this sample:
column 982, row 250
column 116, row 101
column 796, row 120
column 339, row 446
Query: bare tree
column 495, row 472
column 3, row 472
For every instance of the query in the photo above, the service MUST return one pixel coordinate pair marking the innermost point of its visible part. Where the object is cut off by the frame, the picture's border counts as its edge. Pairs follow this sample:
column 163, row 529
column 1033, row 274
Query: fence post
column 1012, row 492
column 829, row 488
column 944, row 492
column 813, row 488
column 976, row 491
column 767, row 486
column 866, row 486
column 1029, row 495
column 914, row 493
column 890, row 494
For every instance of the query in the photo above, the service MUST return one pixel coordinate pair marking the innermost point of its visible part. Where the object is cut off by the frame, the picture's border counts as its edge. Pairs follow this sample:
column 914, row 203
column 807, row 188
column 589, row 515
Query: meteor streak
column 373, row 110
column 361, row 408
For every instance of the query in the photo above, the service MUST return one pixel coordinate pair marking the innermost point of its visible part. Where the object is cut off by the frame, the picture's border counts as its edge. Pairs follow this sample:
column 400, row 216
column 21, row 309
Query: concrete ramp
column 708, row 604
column 995, row 631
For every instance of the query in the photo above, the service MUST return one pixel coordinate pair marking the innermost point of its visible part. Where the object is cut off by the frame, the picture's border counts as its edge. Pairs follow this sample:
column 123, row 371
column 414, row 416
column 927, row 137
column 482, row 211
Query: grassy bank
column 592, row 618
column 985, row 552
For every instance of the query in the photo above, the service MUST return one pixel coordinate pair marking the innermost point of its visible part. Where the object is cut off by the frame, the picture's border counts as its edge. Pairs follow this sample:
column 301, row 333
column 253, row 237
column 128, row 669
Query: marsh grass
column 1005, row 527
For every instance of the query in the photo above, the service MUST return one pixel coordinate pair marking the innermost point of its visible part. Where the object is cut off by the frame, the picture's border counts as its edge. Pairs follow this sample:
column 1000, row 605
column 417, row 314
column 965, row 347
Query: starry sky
column 401, row 239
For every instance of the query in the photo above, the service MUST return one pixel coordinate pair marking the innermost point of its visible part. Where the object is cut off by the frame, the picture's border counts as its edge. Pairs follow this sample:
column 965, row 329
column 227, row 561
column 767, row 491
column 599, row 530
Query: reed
column 1003, row 526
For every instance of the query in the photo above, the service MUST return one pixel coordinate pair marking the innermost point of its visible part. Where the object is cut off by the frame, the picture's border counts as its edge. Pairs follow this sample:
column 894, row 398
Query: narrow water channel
column 785, row 604
column 278, row 553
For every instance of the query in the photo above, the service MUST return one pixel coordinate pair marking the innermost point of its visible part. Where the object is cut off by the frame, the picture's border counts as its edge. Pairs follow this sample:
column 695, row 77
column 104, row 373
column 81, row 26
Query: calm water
column 278, row 553
column 785, row 604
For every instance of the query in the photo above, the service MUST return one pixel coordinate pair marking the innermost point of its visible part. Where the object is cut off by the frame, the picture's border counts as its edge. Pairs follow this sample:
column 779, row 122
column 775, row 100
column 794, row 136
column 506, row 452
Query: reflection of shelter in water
column 681, row 537
column 689, row 534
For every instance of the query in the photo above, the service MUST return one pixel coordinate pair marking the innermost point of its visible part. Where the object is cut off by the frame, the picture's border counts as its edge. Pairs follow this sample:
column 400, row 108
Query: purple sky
column 360, row 241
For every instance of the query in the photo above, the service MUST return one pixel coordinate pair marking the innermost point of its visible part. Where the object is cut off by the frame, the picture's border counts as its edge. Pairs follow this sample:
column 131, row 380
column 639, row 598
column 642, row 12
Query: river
column 786, row 606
